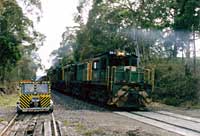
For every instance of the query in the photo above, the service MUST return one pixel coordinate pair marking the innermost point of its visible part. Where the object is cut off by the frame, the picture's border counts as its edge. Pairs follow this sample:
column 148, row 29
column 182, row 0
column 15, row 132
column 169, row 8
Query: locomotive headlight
column 120, row 53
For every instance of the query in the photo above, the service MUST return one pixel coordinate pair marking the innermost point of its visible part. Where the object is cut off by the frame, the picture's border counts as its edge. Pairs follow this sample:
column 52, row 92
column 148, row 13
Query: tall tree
column 166, row 20
column 17, row 35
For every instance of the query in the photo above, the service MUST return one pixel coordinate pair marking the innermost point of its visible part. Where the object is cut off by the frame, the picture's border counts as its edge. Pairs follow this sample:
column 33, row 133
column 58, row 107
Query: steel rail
column 54, row 125
column 192, row 119
column 160, row 124
column 9, row 124
column 168, row 122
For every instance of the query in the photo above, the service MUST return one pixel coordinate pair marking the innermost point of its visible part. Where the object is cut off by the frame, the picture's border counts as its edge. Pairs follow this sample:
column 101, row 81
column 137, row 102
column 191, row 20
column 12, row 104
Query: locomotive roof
column 96, row 57
column 114, row 53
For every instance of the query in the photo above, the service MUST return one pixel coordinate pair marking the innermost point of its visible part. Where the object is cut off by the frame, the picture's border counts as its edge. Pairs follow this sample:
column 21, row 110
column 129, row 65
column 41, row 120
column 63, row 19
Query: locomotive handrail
column 150, row 77
column 113, row 74
column 107, row 76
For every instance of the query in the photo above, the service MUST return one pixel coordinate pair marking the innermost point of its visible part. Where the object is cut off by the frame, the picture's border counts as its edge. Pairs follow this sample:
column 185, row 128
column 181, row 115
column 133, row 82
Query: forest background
column 161, row 32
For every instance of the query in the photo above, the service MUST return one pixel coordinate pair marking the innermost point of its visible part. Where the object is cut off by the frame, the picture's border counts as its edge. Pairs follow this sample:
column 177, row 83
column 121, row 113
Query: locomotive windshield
column 28, row 88
column 123, row 61
column 42, row 88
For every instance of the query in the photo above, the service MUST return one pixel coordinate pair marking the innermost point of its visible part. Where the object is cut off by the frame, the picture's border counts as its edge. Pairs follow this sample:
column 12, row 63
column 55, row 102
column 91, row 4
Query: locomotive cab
column 131, row 85
column 127, row 85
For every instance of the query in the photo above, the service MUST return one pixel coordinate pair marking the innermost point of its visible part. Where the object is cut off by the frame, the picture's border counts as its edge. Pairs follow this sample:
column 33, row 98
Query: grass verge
column 8, row 100
column 93, row 132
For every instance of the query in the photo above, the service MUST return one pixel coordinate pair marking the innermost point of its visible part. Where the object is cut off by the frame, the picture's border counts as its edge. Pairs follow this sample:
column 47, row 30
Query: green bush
column 173, row 87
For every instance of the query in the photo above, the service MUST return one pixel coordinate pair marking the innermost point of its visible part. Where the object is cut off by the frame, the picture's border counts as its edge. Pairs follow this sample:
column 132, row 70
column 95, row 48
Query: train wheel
column 19, row 111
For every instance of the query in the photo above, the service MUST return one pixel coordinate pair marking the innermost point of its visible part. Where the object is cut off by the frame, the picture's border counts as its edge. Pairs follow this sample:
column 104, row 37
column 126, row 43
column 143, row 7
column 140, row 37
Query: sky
column 57, row 14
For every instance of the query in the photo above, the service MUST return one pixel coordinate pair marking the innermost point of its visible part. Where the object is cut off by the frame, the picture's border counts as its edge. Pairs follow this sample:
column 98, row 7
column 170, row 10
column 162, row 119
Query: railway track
column 176, row 123
column 43, row 124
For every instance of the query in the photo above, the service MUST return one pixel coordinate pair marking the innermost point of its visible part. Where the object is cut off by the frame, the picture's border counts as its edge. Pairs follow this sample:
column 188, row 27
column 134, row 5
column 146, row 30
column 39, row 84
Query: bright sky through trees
column 57, row 14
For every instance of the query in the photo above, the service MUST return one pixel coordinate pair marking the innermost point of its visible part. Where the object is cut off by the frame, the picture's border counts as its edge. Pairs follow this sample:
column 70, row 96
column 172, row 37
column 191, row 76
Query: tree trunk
column 187, row 60
column 194, row 53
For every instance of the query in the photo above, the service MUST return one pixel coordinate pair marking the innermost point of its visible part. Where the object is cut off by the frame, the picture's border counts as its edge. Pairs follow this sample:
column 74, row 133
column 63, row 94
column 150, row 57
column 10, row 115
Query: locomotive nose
column 35, row 102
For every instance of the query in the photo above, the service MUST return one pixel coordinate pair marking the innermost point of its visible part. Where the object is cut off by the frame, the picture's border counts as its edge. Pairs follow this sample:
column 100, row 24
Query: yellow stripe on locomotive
column 34, row 96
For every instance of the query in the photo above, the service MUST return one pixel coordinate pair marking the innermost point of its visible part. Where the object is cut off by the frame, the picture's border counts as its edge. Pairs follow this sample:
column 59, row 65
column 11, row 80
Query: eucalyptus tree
column 64, row 54
column 118, row 24
column 17, row 35
column 155, row 29
column 153, row 25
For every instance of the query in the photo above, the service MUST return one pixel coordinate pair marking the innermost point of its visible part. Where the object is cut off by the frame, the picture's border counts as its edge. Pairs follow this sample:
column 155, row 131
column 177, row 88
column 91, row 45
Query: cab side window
column 95, row 65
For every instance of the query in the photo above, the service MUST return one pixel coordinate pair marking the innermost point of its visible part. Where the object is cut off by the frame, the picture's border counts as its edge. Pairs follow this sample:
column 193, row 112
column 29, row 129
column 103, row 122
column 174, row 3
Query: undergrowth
column 175, row 88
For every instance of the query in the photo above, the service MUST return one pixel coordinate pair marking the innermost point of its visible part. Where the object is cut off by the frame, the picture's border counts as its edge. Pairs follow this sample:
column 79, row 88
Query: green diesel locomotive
column 111, row 78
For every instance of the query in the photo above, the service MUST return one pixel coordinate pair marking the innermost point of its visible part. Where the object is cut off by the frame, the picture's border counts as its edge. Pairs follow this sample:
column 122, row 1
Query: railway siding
column 190, row 125
column 173, row 124
column 74, row 117
column 197, row 120
column 32, row 125
column 82, row 118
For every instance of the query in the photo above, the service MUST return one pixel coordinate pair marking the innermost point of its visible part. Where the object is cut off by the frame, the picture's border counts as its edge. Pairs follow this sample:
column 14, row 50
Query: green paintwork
column 109, row 77
column 123, row 75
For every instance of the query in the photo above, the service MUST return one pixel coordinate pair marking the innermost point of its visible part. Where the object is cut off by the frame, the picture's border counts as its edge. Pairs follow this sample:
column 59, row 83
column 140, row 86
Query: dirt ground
column 6, row 114
column 7, row 108
column 179, row 110
column 79, row 118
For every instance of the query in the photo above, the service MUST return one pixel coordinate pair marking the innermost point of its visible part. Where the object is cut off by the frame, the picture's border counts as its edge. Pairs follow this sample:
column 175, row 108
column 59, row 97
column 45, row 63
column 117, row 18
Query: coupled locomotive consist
column 111, row 78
